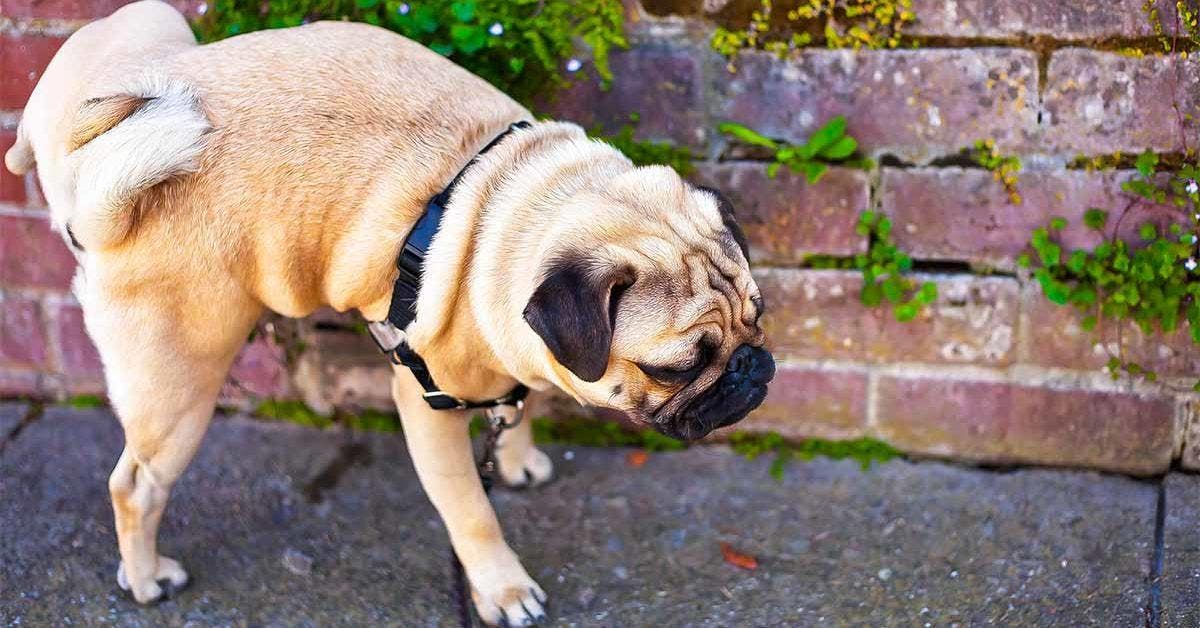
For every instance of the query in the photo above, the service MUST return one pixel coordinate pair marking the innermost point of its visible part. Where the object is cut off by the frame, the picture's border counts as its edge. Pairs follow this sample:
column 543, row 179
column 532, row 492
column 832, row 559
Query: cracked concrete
column 903, row 544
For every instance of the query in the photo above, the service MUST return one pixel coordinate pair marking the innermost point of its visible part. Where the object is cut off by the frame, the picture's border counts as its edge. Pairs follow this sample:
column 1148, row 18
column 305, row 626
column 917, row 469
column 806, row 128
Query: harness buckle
column 440, row 400
column 386, row 335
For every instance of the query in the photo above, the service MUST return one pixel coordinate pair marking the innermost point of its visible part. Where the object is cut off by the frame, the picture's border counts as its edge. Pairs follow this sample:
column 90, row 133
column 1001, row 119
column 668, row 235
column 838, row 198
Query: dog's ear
column 98, row 116
column 574, row 311
column 727, row 217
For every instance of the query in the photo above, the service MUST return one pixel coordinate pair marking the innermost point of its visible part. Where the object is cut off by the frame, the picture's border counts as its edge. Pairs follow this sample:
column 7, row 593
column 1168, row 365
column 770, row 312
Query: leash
column 486, row 466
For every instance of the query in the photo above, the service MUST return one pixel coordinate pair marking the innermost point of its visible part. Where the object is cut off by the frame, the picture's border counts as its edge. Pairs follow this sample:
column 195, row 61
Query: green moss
column 293, row 412
column 864, row 450
column 850, row 24
column 520, row 46
column 1004, row 168
column 86, row 401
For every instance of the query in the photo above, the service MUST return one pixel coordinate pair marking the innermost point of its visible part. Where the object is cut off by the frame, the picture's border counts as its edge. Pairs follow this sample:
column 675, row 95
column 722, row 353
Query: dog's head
column 649, row 306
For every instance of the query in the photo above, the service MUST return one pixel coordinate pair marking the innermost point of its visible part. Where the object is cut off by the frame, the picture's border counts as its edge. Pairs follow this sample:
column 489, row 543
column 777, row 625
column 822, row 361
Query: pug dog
column 200, row 186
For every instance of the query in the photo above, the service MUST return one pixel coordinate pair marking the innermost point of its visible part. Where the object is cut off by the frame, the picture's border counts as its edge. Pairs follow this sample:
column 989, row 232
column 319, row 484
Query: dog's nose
column 752, row 363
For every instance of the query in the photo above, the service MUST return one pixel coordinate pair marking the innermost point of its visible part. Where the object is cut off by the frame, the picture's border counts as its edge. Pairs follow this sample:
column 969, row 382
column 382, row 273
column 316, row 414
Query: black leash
column 460, row 595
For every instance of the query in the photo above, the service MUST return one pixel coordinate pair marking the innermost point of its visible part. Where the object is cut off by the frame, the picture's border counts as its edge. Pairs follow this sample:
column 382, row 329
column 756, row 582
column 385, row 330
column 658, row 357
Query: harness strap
column 389, row 333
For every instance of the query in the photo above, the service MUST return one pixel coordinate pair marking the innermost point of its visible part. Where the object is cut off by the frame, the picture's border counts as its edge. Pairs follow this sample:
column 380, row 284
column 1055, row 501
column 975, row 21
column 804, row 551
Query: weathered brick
column 785, row 218
column 817, row 314
column 22, row 336
column 1053, row 336
column 12, row 187
column 1102, row 102
column 661, row 83
column 22, row 59
column 16, row 382
column 966, row 215
column 810, row 403
column 31, row 255
column 1005, row 422
column 80, row 361
column 915, row 104
column 342, row 369
column 260, row 371
column 1054, row 19
column 80, row 9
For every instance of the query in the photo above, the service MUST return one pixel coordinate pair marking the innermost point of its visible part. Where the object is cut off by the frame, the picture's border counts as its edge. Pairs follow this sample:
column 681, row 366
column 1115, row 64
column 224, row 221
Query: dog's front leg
column 440, row 445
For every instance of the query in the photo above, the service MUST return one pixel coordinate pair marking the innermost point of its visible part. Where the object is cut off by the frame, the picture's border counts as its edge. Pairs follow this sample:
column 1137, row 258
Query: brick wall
column 992, row 372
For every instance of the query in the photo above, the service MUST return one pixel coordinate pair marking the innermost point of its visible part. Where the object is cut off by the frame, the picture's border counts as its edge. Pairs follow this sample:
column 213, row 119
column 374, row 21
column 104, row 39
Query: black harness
column 389, row 333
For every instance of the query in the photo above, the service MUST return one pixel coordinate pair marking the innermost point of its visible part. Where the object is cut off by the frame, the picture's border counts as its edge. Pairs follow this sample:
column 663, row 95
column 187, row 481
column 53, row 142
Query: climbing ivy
column 1154, row 284
column 520, row 46
column 839, row 23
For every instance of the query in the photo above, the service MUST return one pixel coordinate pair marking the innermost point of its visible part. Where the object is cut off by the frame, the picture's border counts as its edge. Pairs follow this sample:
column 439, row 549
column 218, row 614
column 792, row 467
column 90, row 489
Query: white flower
column 403, row 9
column 202, row 8
column 1190, row 264
column 1194, row 238
column 496, row 29
column 1192, row 187
column 573, row 65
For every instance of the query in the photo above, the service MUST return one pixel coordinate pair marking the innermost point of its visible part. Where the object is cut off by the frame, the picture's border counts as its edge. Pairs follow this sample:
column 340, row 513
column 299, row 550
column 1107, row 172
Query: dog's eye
column 670, row 374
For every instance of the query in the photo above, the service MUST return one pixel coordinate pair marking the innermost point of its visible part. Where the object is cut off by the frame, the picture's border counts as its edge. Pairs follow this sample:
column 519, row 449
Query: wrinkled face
column 653, row 311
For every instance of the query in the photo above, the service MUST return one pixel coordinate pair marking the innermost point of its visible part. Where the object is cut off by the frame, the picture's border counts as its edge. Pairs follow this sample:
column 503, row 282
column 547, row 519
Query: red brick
column 1055, row 19
column 22, row 59
column 1053, row 336
column 966, row 215
column 915, row 104
column 660, row 83
column 31, row 255
column 1006, row 423
column 260, row 370
column 76, row 9
column 809, row 403
column 12, row 187
column 785, row 218
column 1102, row 102
column 79, row 357
column 818, row 315
column 22, row 337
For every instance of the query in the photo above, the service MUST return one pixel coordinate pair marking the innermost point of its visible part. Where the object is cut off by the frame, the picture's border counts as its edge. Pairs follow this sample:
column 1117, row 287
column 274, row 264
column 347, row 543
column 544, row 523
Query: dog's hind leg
column 163, row 381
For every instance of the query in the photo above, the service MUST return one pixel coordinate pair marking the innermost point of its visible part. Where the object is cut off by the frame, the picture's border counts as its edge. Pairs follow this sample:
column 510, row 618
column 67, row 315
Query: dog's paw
column 503, row 592
column 522, row 604
column 530, row 467
column 168, row 579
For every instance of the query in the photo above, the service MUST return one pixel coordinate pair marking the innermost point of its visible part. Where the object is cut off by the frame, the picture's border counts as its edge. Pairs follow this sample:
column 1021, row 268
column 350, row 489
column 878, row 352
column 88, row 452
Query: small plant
column 883, row 267
column 1004, row 167
column 520, row 46
column 864, row 450
column 827, row 145
column 647, row 153
column 839, row 23
column 1155, row 285
column 80, row 402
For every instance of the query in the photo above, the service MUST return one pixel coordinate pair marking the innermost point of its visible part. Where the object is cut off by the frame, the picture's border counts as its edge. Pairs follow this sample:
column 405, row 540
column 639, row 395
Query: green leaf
column 1077, row 261
column 773, row 169
column 1088, row 323
column 907, row 311
column 1023, row 260
column 747, row 135
column 516, row 64
column 840, row 149
column 893, row 289
column 1058, row 223
column 468, row 39
column 1095, row 219
column 814, row 170
column 871, row 295
column 1148, row 232
column 1146, row 163
column 827, row 135
column 928, row 293
column 463, row 10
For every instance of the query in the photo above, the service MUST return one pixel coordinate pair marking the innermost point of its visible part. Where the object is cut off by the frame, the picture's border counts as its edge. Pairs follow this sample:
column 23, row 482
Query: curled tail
column 121, row 145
